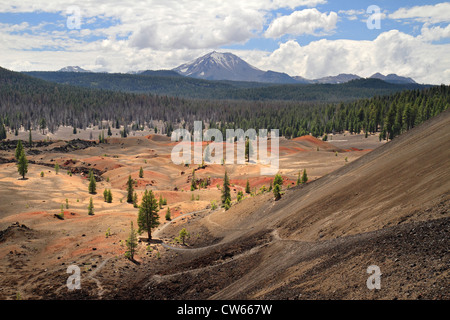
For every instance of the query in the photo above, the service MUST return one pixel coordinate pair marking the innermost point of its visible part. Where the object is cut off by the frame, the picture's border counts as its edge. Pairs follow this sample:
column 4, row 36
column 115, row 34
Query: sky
column 308, row 38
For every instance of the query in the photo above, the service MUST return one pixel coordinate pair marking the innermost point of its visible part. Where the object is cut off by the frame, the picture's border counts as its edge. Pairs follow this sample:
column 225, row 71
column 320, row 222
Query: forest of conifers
column 27, row 102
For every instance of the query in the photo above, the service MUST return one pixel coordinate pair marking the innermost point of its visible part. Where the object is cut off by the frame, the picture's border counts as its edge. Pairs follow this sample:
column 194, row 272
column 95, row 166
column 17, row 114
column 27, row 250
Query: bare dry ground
column 388, row 207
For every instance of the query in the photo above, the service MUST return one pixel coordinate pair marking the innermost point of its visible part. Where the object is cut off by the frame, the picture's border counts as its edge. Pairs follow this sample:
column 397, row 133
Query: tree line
column 31, row 103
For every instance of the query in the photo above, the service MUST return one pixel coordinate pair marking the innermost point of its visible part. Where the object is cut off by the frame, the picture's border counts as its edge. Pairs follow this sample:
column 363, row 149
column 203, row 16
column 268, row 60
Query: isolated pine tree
column 226, row 192
column 105, row 195
column 141, row 173
column 91, row 207
column 247, row 187
column 277, row 191
column 92, row 185
column 304, row 176
column 131, row 243
column 22, row 164
column 56, row 168
column 247, row 150
column 183, row 235
column 19, row 149
column 148, row 217
column 168, row 216
column 193, row 181
column 130, row 190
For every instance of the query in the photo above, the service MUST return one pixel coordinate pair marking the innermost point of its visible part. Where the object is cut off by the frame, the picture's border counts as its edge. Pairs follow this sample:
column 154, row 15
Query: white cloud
column 166, row 33
column 429, row 13
column 390, row 52
column 221, row 26
column 435, row 33
column 352, row 12
column 307, row 21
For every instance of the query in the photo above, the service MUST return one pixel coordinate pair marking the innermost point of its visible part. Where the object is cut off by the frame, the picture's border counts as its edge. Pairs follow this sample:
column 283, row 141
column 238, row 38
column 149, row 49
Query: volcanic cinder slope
column 389, row 208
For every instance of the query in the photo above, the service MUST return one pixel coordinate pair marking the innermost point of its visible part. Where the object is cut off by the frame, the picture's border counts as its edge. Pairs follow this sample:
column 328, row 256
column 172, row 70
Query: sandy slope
column 388, row 208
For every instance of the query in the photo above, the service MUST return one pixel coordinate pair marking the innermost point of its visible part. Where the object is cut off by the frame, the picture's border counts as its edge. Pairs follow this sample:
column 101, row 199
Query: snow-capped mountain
column 73, row 69
column 220, row 66
column 227, row 66
column 392, row 78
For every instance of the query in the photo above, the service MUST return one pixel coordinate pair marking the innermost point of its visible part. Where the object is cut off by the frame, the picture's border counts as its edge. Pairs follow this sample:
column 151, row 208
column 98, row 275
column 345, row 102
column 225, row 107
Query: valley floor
column 259, row 249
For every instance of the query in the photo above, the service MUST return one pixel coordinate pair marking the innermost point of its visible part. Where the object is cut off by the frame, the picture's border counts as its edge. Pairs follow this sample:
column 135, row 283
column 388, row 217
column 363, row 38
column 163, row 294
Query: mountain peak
column 73, row 69
column 219, row 66
column 227, row 66
column 392, row 78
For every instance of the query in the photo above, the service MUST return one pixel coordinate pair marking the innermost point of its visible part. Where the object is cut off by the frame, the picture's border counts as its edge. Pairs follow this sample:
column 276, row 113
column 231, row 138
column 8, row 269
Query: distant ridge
column 392, row 78
column 160, row 73
column 340, row 78
column 227, row 66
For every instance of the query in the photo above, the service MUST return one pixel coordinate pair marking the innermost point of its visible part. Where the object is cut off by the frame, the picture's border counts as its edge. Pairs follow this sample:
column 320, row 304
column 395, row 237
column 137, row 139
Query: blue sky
column 309, row 38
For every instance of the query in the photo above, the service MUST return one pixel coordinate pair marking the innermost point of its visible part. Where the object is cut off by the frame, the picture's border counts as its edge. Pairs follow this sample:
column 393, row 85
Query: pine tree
column 61, row 214
column 304, row 177
column 109, row 131
column 22, row 164
column 247, row 150
column 278, row 180
column 168, row 217
column 135, row 200
column 227, row 204
column 247, row 187
column 193, row 181
column 19, row 149
column 183, row 235
column 91, row 207
column 92, row 185
column 130, row 190
column 141, row 173
column 148, row 214
column 131, row 243
column 161, row 201
column 109, row 197
column 105, row 195
column 226, row 192
column 299, row 180
column 277, row 191
column 56, row 168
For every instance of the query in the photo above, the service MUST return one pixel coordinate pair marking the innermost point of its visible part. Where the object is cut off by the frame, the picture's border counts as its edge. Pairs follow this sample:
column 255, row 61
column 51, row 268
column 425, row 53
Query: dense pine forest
column 32, row 103
column 172, row 84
